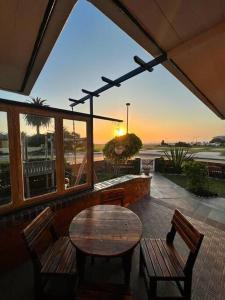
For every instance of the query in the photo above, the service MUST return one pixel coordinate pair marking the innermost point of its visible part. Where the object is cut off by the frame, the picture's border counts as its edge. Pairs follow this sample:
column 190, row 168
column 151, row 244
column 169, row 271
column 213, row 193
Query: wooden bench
column 53, row 257
column 160, row 261
column 113, row 196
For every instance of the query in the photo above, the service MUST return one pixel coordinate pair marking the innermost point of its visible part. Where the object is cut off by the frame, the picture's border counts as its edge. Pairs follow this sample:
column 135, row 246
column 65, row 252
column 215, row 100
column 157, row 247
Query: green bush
column 182, row 144
column 197, row 177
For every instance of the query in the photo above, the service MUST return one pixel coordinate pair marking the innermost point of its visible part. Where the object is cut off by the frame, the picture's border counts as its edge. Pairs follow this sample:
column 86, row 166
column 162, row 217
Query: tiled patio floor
column 211, row 210
column 209, row 271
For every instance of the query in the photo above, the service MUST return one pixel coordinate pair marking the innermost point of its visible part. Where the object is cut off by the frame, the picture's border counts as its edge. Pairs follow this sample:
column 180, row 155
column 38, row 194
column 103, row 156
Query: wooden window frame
column 88, row 183
column 16, row 165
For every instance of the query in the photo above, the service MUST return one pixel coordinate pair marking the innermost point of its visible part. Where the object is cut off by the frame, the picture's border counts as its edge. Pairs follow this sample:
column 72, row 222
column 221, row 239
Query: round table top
column 105, row 230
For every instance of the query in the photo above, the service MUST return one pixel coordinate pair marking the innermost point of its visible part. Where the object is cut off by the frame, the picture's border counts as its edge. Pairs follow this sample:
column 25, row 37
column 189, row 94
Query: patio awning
column 191, row 33
column 29, row 30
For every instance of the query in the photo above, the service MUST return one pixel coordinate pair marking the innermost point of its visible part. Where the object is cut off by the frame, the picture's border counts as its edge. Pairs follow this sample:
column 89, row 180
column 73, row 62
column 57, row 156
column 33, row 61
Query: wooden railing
column 37, row 168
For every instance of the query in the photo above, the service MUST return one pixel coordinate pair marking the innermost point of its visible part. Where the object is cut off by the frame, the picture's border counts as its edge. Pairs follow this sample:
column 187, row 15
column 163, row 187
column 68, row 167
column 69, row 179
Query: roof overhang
column 191, row 33
column 29, row 30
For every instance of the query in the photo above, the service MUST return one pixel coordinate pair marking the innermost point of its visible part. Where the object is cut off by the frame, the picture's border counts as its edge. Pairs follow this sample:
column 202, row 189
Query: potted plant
column 121, row 148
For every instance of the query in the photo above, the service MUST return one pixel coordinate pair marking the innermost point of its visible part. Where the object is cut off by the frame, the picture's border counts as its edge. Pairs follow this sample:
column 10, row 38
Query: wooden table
column 107, row 231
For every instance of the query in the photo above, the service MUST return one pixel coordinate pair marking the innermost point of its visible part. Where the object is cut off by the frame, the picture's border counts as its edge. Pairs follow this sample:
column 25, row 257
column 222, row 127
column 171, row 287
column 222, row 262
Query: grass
column 215, row 185
column 98, row 147
column 222, row 152
column 193, row 149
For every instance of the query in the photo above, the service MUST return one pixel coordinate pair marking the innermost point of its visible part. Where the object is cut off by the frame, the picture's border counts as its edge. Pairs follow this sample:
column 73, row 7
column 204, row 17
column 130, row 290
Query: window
column 5, row 184
column 45, row 153
column 38, row 154
column 75, row 152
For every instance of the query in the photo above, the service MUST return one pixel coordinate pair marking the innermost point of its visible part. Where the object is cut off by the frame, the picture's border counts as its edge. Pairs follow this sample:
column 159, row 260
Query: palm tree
column 37, row 121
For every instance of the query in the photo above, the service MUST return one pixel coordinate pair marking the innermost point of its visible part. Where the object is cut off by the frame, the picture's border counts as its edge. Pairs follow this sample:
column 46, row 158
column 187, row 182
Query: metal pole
column 92, row 141
column 127, row 104
column 74, row 143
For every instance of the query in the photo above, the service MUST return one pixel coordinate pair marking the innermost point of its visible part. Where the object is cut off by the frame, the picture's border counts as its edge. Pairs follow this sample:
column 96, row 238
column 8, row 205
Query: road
column 143, row 154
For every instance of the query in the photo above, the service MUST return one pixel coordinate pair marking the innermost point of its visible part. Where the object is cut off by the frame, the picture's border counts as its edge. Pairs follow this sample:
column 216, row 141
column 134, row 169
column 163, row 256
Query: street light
column 127, row 104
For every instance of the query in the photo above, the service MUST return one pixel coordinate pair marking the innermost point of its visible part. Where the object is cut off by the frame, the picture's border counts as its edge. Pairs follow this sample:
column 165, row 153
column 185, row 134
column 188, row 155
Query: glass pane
column 104, row 131
column 38, row 154
column 75, row 152
column 5, row 185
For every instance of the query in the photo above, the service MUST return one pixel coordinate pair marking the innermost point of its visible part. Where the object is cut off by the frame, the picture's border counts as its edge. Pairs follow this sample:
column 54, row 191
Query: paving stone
column 211, row 210
column 217, row 215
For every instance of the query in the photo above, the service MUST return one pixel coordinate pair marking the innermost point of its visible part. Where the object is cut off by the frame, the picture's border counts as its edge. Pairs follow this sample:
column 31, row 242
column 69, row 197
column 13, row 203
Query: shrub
column 182, row 144
column 177, row 157
column 197, row 178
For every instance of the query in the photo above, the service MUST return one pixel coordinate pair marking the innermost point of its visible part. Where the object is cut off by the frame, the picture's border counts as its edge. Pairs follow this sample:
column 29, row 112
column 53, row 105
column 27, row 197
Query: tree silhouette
column 34, row 120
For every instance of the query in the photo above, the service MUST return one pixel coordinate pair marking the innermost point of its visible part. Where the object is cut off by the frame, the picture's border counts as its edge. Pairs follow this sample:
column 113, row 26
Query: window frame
column 13, row 111
column 10, row 142
column 86, row 184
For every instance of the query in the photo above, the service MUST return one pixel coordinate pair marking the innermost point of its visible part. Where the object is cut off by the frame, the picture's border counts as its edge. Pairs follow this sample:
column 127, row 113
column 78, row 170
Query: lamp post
column 127, row 104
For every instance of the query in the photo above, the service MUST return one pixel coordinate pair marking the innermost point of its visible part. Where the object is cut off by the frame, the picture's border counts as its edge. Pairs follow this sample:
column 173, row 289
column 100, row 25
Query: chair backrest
column 36, row 231
column 113, row 196
column 189, row 234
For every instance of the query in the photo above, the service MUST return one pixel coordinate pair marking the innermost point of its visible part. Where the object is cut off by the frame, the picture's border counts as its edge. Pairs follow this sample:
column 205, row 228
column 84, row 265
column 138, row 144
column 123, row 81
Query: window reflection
column 75, row 152
column 38, row 154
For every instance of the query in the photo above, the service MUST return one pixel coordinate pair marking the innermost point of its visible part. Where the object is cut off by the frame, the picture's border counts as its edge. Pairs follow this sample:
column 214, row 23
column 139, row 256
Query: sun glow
column 119, row 131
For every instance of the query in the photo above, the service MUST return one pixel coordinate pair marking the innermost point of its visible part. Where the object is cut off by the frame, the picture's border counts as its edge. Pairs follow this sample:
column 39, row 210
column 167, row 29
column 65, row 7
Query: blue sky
column 91, row 46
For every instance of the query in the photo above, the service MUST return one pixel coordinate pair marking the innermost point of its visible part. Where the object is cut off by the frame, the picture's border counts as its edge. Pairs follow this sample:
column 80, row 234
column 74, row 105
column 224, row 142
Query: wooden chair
column 160, row 261
column 53, row 257
column 113, row 196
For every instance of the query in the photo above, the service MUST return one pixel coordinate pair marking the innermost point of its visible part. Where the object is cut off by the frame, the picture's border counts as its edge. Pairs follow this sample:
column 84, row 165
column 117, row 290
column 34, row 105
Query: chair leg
column 38, row 286
column 141, row 270
column 152, row 293
column 187, row 288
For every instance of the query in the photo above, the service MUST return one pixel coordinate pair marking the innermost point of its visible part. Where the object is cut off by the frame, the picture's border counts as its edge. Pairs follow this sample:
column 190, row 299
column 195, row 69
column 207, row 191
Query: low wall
column 12, row 249
column 105, row 167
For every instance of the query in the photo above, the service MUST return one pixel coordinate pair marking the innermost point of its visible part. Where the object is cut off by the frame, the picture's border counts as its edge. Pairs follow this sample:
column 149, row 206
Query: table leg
column 127, row 263
column 81, row 260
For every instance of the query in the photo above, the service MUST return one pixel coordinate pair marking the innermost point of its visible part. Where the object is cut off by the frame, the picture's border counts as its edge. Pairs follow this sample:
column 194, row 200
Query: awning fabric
column 28, row 32
column 191, row 33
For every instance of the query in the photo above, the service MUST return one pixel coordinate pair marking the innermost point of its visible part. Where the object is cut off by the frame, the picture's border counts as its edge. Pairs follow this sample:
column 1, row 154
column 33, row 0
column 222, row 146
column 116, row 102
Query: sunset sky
column 91, row 46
